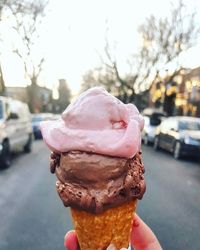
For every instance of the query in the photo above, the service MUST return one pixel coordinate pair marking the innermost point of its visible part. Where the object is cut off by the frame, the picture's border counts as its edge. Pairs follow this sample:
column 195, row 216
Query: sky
column 73, row 32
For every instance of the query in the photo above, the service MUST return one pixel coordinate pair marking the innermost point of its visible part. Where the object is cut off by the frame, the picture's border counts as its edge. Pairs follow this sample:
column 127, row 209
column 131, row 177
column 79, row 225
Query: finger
column 142, row 237
column 71, row 241
column 112, row 247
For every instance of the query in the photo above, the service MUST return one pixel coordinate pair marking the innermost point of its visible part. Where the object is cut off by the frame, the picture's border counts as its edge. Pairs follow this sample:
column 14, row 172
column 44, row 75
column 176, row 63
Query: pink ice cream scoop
column 96, row 122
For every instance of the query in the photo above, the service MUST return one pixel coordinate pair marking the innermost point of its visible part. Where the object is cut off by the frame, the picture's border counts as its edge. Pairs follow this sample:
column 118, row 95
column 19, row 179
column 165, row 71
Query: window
column 189, row 125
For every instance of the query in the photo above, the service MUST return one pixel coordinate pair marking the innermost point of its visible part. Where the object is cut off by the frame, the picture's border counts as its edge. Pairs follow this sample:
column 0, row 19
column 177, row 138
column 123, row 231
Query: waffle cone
column 97, row 232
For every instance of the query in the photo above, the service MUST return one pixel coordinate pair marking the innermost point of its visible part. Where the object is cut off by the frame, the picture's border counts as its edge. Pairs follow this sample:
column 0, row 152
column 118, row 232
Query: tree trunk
column 2, row 83
column 32, row 92
column 169, row 104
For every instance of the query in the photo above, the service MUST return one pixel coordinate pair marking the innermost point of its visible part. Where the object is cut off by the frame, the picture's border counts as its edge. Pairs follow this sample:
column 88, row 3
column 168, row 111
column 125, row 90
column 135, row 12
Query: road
column 33, row 218
column 171, row 205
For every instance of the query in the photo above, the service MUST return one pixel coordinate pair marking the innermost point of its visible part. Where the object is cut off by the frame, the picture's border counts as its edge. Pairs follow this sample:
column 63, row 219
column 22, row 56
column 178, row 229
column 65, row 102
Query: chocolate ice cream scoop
column 95, row 182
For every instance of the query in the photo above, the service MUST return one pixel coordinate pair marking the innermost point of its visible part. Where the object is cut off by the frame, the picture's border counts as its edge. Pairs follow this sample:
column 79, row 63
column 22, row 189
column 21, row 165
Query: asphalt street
column 32, row 216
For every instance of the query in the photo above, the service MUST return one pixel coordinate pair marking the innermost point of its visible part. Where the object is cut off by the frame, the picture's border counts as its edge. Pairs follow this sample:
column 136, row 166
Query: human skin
column 142, row 237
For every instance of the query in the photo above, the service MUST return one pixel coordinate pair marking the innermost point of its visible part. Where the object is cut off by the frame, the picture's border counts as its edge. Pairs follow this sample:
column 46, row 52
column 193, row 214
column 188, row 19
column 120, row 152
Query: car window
column 39, row 118
column 189, row 125
column 155, row 119
column 19, row 108
column 36, row 119
column 1, row 109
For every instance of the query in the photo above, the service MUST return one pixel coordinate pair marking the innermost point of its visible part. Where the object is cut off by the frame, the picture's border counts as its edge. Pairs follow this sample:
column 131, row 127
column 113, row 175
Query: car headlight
column 191, row 141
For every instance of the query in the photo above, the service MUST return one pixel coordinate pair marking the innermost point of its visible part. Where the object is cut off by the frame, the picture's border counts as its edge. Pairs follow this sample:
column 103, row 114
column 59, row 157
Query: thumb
column 71, row 241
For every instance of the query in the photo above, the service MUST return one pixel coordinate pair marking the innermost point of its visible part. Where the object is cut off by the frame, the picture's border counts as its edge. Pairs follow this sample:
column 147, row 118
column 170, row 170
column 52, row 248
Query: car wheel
column 5, row 157
column 177, row 150
column 146, row 141
column 156, row 143
column 28, row 146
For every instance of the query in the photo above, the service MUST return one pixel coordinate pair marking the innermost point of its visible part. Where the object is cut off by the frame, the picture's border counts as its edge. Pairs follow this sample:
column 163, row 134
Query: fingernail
column 136, row 223
column 67, row 234
column 111, row 247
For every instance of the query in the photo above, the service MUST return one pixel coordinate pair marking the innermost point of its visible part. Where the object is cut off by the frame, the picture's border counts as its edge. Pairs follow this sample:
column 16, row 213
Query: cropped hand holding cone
column 142, row 238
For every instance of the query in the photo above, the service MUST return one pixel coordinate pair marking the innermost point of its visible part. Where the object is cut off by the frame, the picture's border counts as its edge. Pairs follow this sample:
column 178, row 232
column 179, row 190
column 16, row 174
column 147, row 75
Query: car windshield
column 189, row 125
column 1, row 110
column 37, row 119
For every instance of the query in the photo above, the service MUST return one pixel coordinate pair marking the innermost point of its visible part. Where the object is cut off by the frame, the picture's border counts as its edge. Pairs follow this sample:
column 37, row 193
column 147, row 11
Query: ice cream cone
column 98, row 231
column 96, row 156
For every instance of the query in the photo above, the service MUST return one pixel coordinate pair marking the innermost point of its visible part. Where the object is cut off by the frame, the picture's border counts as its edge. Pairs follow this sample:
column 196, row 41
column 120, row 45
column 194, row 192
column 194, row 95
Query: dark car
column 36, row 119
column 179, row 135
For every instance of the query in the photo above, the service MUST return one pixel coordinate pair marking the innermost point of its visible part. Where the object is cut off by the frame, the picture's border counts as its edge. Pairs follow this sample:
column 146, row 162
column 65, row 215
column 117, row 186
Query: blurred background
column 146, row 53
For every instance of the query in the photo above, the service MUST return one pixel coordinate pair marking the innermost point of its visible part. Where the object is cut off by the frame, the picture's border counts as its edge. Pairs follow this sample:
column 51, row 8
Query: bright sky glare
column 73, row 33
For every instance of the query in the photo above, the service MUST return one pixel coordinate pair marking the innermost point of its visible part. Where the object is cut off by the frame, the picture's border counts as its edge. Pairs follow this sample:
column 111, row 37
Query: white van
column 15, row 129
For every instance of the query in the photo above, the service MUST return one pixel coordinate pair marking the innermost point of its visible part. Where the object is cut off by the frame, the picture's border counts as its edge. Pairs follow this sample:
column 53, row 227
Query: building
column 18, row 93
column 41, row 97
column 188, row 96
column 178, row 95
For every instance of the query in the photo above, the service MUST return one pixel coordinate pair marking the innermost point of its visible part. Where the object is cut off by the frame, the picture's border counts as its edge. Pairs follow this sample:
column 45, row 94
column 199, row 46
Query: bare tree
column 3, row 4
column 28, row 16
column 90, row 79
column 2, row 83
column 163, row 41
column 108, row 75
column 64, row 95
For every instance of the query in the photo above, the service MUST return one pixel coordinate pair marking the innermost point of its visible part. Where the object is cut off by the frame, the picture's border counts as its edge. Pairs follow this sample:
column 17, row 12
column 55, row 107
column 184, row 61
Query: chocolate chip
column 122, row 192
column 135, row 190
column 93, row 204
column 53, row 155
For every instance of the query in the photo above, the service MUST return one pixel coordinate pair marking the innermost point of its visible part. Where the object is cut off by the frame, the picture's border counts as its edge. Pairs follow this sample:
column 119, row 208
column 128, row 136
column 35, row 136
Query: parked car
column 36, row 119
column 15, row 129
column 152, row 118
column 179, row 135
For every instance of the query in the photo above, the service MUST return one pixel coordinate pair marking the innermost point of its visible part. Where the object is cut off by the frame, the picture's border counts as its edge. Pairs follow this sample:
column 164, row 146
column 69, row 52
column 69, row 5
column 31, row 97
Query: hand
column 142, row 237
